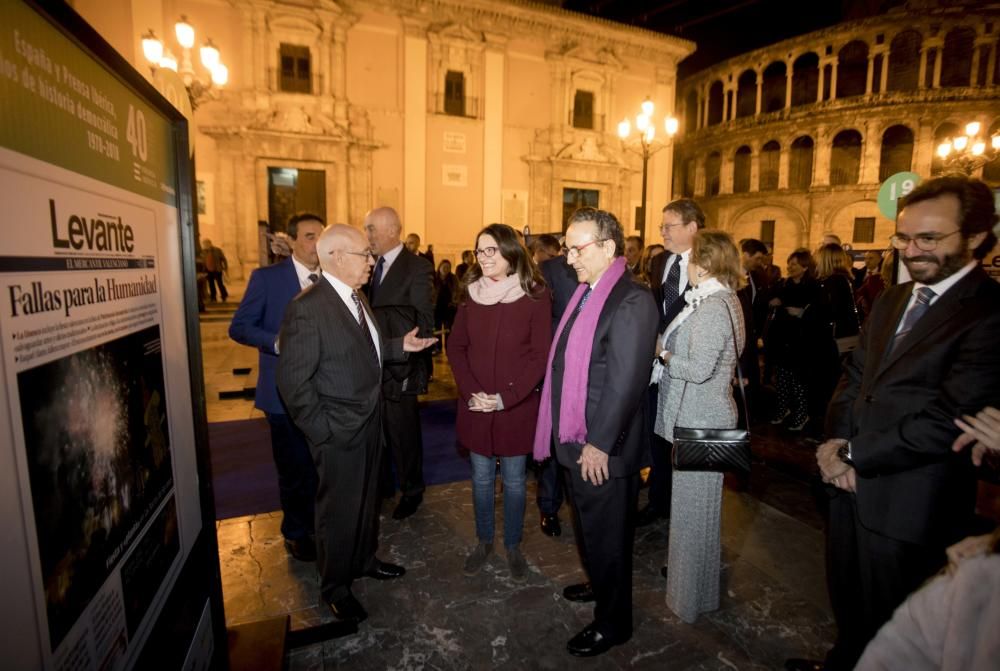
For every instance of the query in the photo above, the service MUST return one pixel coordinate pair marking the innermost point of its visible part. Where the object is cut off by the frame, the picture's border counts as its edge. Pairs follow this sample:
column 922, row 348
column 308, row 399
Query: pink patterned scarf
column 576, row 371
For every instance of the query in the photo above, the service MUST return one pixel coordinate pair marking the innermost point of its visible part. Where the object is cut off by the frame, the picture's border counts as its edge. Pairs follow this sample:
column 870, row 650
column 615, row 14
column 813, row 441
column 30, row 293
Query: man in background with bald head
column 329, row 375
column 400, row 292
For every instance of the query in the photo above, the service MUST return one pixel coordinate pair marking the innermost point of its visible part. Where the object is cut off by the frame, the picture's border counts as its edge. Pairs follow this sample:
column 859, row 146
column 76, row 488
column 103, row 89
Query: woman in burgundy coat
column 497, row 350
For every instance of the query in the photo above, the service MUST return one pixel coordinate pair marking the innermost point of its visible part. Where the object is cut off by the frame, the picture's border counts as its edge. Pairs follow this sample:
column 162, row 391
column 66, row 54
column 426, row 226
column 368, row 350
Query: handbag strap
column 739, row 373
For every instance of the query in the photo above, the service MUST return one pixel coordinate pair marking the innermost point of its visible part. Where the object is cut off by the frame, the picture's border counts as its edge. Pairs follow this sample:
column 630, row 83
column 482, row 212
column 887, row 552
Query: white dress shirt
column 345, row 292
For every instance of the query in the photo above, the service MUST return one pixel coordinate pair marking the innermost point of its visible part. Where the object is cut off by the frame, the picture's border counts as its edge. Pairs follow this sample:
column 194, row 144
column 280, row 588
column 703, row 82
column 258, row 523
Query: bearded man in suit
column 592, row 410
column 329, row 375
column 928, row 354
column 400, row 291
column 256, row 323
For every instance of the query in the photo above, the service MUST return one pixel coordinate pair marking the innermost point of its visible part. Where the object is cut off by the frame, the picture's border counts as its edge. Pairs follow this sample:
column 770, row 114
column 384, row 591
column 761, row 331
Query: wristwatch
column 844, row 454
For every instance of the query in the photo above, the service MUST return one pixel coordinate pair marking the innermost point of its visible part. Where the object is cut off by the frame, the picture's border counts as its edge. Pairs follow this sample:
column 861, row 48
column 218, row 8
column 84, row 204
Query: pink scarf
column 487, row 292
column 576, row 371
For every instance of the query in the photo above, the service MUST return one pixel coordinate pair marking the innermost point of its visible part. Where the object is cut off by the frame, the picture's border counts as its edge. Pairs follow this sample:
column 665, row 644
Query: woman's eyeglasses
column 488, row 252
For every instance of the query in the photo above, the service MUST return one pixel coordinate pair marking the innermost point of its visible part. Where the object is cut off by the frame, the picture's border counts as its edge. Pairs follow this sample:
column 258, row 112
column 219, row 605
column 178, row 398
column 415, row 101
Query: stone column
column 822, row 82
column 871, row 74
column 706, row 96
column 821, row 157
column 699, row 176
column 726, row 172
column 415, row 127
column 783, row 160
column 884, row 80
column 755, row 168
column 788, row 85
column 833, row 79
column 338, row 69
column 760, row 91
column 870, row 153
column 974, row 69
column 924, row 147
column 493, row 106
column 991, row 64
column 922, row 75
column 937, row 68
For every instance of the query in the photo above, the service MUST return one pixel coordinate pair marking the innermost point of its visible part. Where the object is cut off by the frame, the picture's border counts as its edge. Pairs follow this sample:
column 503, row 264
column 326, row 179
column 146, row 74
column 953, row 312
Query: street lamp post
column 645, row 144
column 159, row 56
column 967, row 153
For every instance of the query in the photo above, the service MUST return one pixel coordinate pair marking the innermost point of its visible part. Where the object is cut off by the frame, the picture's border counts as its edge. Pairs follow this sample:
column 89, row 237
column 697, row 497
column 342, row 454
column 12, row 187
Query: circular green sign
column 894, row 188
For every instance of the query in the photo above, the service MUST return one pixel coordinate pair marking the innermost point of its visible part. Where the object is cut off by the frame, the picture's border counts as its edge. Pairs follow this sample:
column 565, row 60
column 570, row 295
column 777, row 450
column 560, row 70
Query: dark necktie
column 363, row 323
column 314, row 278
column 916, row 311
column 583, row 301
column 376, row 278
column 670, row 289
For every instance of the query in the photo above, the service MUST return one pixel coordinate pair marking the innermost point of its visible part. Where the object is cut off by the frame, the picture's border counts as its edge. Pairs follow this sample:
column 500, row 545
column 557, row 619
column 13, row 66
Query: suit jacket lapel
column 941, row 312
column 347, row 318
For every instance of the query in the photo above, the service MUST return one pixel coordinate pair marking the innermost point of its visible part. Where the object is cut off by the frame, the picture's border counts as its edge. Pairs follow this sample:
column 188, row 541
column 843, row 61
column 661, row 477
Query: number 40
column 135, row 133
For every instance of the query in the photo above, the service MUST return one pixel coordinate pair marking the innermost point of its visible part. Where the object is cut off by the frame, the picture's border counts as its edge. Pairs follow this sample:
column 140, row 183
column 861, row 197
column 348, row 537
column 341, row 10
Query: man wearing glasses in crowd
column 928, row 354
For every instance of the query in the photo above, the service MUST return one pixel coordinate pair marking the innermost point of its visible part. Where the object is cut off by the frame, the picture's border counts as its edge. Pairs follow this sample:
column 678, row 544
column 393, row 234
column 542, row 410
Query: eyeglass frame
column 578, row 249
column 485, row 251
column 367, row 253
column 901, row 242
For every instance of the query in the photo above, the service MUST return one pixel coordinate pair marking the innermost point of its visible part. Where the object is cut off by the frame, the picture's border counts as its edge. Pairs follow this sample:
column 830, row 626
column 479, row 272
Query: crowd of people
column 585, row 354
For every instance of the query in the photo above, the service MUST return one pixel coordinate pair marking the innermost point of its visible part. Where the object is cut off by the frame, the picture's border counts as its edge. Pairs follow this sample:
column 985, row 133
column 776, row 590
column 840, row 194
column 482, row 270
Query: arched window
column 715, row 100
column 689, row 178
column 956, row 57
column 991, row 171
column 944, row 133
column 773, row 87
column 897, row 151
column 741, row 170
column 746, row 94
column 805, row 79
column 845, row 158
column 691, row 112
column 904, row 61
column 852, row 69
column 770, row 156
column 800, row 163
column 713, row 169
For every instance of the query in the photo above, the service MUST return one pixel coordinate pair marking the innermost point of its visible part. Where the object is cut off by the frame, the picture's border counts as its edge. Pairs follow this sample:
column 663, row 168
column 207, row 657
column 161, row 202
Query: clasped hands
column 982, row 431
column 833, row 470
column 480, row 401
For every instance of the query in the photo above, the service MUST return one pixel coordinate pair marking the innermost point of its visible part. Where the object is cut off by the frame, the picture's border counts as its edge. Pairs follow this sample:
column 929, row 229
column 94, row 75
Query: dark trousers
column 213, row 279
column 662, row 471
column 550, row 488
column 346, row 513
column 604, row 526
column 405, row 442
column 868, row 576
column 296, row 477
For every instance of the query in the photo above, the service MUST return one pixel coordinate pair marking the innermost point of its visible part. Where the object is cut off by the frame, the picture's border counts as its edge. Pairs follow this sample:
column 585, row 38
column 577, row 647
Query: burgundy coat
column 503, row 349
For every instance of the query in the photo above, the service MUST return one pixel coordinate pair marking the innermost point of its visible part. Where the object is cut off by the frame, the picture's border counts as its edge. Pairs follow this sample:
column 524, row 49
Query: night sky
column 726, row 28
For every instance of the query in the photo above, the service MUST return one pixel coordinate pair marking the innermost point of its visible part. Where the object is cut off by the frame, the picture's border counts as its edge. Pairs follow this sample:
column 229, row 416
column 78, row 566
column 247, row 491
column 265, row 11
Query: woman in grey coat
column 695, row 370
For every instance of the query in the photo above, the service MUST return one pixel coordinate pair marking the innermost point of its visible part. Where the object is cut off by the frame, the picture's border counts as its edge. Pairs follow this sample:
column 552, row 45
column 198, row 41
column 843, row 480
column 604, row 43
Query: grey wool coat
column 701, row 368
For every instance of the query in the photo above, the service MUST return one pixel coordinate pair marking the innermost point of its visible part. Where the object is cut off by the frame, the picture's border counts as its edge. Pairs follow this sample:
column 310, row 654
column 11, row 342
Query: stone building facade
column 791, row 141
column 456, row 112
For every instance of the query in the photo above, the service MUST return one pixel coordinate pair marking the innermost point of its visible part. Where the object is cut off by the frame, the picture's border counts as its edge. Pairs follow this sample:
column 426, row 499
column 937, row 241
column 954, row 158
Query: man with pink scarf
column 591, row 417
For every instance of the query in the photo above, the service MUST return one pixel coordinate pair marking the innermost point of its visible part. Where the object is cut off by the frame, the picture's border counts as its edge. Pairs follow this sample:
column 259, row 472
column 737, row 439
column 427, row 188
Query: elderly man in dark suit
column 256, row 324
column 400, row 291
column 668, row 275
column 929, row 354
column 592, row 408
column 329, row 375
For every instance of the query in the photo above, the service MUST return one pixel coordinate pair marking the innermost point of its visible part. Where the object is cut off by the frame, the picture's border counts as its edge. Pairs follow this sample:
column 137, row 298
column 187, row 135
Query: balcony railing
column 467, row 107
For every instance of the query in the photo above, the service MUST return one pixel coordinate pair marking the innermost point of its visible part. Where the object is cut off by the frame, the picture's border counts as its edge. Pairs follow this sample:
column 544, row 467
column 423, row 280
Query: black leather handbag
column 718, row 450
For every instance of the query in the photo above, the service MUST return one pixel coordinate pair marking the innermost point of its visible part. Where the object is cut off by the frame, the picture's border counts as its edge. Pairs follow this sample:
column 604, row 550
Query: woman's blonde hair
column 716, row 253
column 832, row 259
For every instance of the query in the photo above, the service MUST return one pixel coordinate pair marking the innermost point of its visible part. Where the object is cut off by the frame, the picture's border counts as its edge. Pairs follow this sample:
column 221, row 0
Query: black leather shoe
column 385, row 571
column 580, row 593
column 647, row 516
column 589, row 643
column 799, row 664
column 348, row 608
column 303, row 549
column 407, row 506
column 550, row 525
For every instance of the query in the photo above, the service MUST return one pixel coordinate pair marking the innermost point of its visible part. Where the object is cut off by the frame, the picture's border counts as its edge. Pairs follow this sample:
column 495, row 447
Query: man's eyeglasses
column 488, row 252
column 925, row 242
column 367, row 254
column 577, row 250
